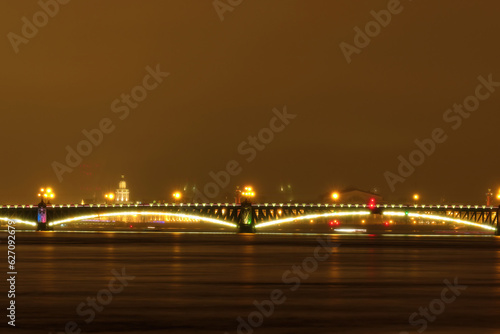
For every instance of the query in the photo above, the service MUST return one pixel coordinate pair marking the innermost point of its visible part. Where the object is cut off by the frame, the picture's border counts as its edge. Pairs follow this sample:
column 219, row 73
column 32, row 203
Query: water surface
column 201, row 283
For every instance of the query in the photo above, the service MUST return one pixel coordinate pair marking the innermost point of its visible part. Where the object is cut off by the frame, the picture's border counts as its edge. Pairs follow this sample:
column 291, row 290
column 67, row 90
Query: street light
column 110, row 197
column 248, row 192
column 177, row 195
column 47, row 194
column 335, row 196
column 416, row 197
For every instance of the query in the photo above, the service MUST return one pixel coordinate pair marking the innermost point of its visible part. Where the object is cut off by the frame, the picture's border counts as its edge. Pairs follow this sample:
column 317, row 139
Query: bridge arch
column 18, row 221
column 144, row 213
column 366, row 213
column 438, row 217
column 312, row 216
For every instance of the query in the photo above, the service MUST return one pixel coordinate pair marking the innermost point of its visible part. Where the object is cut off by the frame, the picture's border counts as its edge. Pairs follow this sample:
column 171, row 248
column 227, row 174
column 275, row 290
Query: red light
column 386, row 223
column 334, row 223
column 372, row 204
column 131, row 226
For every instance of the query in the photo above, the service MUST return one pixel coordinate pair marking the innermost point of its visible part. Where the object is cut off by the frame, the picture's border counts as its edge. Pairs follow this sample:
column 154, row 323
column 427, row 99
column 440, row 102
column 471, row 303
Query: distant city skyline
column 282, row 193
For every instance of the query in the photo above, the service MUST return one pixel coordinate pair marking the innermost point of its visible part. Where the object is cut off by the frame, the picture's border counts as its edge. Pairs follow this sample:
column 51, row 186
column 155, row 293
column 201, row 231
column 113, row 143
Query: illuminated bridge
column 248, row 217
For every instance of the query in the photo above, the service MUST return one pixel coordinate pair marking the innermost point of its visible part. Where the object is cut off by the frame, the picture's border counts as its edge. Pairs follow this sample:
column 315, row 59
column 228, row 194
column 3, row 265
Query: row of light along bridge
column 248, row 217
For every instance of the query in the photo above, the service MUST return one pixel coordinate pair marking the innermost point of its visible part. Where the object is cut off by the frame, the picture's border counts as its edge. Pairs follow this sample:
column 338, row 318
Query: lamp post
column 109, row 197
column 47, row 194
column 335, row 197
column 248, row 193
column 416, row 197
column 177, row 196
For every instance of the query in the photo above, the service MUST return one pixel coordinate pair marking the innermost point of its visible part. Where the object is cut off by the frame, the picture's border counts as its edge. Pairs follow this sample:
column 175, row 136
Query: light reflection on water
column 189, row 282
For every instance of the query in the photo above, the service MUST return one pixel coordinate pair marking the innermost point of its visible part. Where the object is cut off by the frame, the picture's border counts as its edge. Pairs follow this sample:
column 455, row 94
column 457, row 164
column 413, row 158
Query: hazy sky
column 352, row 120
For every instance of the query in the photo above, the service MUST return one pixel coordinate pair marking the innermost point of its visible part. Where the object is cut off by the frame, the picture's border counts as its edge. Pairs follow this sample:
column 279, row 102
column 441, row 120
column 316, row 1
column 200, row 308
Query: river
column 158, row 282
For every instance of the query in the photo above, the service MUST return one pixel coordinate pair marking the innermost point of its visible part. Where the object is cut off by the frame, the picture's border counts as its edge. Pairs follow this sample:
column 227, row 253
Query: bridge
column 248, row 217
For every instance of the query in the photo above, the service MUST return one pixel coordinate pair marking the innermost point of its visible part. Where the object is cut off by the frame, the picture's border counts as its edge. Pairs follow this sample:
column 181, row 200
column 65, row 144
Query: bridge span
column 248, row 217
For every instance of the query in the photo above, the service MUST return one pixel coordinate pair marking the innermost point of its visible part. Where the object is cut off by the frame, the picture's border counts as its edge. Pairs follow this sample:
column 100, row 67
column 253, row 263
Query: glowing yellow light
column 498, row 196
column 313, row 216
column 46, row 193
column 177, row 195
column 416, row 197
column 335, row 196
column 248, row 192
column 145, row 213
column 18, row 221
column 460, row 221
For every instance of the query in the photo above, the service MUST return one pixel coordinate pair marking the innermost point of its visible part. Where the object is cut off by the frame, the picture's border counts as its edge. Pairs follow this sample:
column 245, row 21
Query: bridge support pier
column 42, row 217
column 246, row 223
column 497, row 232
